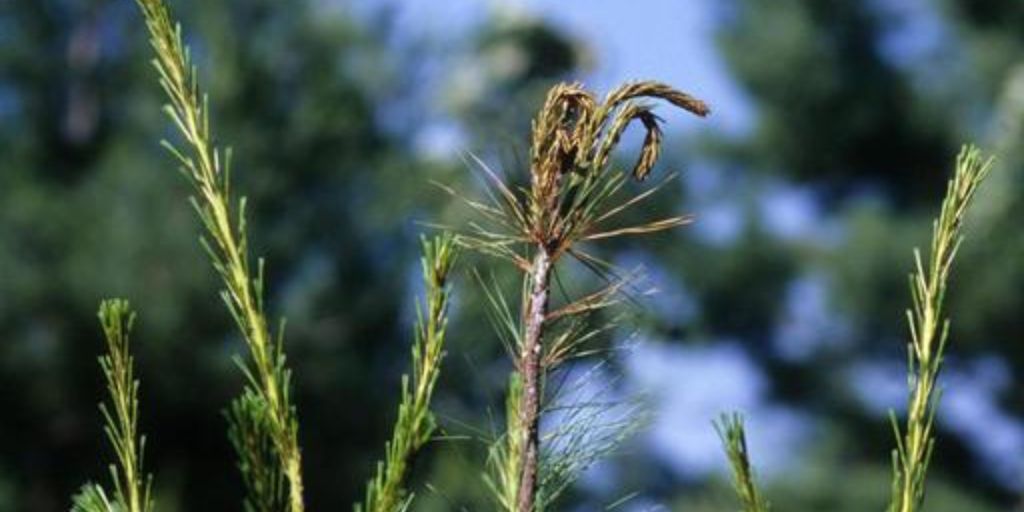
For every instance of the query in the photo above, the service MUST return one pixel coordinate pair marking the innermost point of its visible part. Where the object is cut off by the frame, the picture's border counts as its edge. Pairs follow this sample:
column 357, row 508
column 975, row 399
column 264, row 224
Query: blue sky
column 670, row 41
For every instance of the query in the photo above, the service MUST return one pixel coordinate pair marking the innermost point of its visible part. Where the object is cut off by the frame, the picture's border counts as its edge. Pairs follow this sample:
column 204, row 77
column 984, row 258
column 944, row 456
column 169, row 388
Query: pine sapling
column 121, row 416
column 265, row 409
column 387, row 491
column 929, row 330
column 572, row 195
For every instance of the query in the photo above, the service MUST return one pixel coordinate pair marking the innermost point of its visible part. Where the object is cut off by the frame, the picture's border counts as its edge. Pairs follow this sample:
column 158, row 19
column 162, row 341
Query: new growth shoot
column 929, row 330
column 265, row 424
column 387, row 491
column 121, row 417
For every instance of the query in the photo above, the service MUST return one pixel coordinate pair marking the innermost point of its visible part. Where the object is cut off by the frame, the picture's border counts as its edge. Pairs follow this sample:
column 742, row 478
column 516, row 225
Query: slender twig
column 387, row 492
column 208, row 169
column 929, row 329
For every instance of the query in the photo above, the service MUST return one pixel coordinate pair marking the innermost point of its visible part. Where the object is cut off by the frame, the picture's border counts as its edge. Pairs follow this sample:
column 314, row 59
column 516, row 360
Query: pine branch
column 251, row 435
column 121, row 416
column 734, row 439
column 92, row 498
column 585, row 424
column 572, row 196
column 929, row 330
column 571, row 186
column 208, row 170
column 387, row 491
column 504, row 458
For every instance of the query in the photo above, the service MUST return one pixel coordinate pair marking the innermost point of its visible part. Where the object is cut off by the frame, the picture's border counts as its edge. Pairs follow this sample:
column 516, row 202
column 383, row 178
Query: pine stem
column 571, row 198
column 929, row 330
column 531, row 371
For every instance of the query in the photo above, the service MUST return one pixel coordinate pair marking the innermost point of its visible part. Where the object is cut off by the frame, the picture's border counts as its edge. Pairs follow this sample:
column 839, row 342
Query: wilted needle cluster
column 573, row 195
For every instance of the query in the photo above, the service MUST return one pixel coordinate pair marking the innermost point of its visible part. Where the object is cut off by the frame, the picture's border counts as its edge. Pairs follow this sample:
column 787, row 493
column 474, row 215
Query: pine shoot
column 929, row 330
column 265, row 407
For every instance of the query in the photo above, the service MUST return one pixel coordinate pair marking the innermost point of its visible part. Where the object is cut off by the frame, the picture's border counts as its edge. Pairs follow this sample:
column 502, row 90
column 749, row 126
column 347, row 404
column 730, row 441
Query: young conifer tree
column 388, row 490
column 131, row 491
column 264, row 424
column 929, row 331
column 573, row 197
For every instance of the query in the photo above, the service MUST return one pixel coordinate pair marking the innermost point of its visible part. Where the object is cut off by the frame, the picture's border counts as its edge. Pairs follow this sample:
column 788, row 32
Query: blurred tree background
column 785, row 299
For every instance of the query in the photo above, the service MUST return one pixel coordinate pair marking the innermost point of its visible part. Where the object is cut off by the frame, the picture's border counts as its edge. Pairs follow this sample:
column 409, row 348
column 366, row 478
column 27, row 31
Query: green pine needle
column 251, row 435
column 92, row 498
column 504, row 456
column 121, row 416
column 208, row 169
column 734, row 439
column 387, row 491
column 929, row 329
